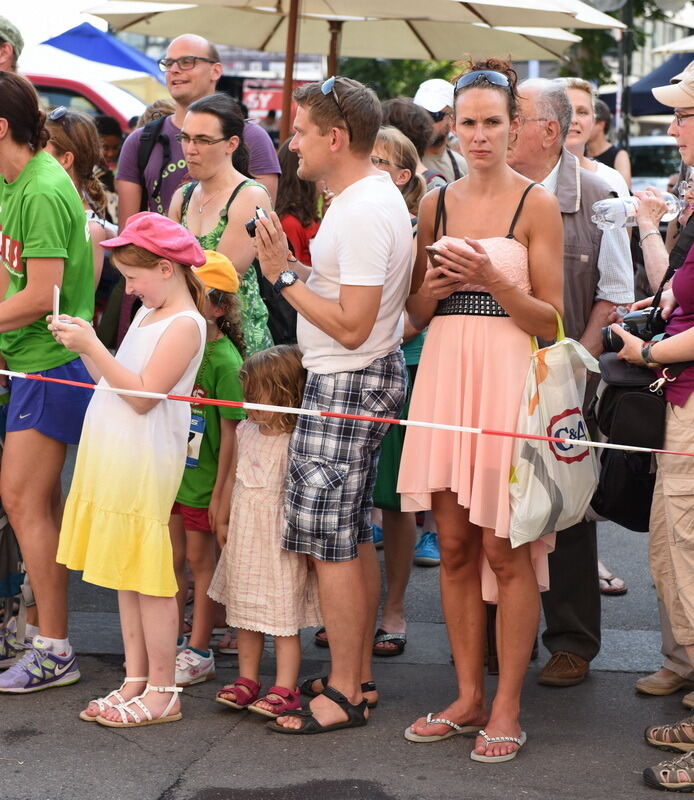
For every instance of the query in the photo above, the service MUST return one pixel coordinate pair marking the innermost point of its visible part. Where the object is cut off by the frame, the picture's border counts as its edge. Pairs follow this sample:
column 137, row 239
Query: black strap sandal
column 306, row 688
column 398, row 640
column 356, row 717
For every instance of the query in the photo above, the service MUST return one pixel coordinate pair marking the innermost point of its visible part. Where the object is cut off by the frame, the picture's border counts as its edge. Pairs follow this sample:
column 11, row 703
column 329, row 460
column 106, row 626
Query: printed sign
column 568, row 425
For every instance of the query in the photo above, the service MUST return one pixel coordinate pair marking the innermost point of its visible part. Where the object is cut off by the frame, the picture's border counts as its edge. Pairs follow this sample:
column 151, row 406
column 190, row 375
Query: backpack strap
column 225, row 211
column 440, row 218
column 152, row 135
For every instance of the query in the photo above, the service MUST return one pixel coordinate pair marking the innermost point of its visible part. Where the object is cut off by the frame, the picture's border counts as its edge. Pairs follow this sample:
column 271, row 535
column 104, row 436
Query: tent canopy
column 642, row 101
column 89, row 42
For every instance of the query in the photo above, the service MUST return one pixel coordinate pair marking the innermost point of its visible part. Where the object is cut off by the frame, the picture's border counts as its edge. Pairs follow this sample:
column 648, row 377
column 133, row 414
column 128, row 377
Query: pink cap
column 161, row 236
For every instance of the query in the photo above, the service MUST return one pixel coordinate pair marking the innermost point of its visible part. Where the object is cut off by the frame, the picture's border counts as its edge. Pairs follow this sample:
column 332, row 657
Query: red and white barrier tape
column 208, row 401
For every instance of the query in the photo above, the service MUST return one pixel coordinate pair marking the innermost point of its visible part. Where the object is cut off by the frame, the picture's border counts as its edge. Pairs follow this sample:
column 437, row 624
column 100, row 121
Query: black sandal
column 399, row 640
column 320, row 639
column 355, row 716
column 306, row 688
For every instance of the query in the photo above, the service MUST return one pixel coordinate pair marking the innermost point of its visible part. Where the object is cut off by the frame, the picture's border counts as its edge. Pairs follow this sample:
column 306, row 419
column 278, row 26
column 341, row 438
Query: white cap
column 680, row 92
column 435, row 95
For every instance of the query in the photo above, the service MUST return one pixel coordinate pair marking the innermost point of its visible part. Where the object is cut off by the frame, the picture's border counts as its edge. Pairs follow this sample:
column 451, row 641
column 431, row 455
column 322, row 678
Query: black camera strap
column 677, row 255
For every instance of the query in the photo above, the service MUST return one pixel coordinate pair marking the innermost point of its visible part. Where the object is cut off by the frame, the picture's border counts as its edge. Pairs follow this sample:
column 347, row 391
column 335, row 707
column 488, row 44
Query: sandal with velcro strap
column 672, row 737
column 141, row 715
column 102, row 702
column 306, row 688
column 356, row 717
column 674, row 775
column 280, row 699
column 249, row 688
column 519, row 740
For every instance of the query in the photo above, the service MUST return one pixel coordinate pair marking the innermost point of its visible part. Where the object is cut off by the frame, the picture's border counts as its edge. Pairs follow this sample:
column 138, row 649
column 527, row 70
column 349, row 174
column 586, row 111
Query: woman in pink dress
column 496, row 281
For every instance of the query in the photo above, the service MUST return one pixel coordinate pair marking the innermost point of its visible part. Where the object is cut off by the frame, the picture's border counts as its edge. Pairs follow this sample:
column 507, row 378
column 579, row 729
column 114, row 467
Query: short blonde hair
column 582, row 86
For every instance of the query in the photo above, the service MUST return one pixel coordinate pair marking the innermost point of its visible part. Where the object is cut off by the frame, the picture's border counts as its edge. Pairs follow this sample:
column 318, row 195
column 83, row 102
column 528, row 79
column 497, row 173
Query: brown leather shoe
column 564, row 669
column 659, row 685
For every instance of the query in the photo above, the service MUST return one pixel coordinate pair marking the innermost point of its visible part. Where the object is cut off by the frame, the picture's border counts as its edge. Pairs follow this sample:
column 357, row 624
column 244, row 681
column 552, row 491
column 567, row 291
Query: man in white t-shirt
column 350, row 322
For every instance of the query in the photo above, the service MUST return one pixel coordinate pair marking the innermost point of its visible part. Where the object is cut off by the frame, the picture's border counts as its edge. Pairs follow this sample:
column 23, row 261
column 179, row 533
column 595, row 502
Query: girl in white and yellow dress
column 131, row 459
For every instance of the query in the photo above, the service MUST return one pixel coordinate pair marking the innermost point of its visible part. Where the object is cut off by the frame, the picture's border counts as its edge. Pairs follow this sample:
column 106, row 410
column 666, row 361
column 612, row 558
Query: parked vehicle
column 91, row 97
column 653, row 160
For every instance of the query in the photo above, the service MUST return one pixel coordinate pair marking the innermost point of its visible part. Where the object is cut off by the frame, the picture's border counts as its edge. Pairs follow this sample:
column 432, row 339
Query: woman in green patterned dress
column 221, row 199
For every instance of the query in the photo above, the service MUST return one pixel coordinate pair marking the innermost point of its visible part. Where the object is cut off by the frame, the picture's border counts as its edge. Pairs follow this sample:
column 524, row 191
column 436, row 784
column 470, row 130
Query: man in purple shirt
column 186, row 84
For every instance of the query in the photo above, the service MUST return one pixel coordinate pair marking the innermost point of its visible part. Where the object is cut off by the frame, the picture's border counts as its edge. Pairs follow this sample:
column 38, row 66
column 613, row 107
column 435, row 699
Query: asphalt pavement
column 584, row 742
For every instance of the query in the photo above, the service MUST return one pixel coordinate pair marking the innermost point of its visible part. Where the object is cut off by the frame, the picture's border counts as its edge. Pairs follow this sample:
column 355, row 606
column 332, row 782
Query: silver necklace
column 201, row 208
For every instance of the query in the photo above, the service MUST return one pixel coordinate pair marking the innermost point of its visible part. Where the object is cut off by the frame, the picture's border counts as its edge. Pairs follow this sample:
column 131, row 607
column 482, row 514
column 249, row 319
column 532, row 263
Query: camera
column 646, row 323
column 260, row 213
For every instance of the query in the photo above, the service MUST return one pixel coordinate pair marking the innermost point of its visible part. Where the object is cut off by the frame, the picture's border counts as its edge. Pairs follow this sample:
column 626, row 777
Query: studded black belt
column 480, row 304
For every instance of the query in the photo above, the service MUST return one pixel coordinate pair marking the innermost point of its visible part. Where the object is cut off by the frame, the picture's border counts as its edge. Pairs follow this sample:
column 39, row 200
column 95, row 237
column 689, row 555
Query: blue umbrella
column 89, row 42
column 642, row 101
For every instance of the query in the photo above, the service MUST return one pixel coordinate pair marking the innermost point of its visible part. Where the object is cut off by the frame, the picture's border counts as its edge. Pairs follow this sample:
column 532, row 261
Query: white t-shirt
column 615, row 180
column 365, row 239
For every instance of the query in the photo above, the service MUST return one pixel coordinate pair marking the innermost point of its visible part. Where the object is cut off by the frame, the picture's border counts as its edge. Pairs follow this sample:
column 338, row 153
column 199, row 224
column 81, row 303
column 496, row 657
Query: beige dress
column 263, row 587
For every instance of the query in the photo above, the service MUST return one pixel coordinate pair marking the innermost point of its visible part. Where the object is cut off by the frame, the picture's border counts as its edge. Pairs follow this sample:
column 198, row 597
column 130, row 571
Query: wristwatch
column 646, row 355
column 287, row 278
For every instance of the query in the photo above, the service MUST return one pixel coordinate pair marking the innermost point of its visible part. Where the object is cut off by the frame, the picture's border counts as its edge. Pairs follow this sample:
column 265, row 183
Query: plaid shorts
column 332, row 462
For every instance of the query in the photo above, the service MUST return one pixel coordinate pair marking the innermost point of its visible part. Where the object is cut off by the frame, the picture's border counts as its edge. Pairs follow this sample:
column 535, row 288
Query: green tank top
column 254, row 314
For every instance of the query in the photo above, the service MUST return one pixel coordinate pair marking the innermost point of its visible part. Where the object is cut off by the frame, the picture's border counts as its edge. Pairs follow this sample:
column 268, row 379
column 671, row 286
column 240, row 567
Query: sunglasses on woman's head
column 58, row 113
column 489, row 75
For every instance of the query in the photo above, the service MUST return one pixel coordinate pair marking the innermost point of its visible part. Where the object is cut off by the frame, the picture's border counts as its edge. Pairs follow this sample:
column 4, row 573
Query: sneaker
column 183, row 646
column 10, row 646
column 193, row 668
column 39, row 669
column 426, row 551
column 378, row 536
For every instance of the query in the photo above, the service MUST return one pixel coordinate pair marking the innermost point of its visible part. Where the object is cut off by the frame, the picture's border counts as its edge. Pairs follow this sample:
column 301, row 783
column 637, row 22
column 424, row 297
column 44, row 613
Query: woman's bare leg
column 517, row 619
column 463, row 611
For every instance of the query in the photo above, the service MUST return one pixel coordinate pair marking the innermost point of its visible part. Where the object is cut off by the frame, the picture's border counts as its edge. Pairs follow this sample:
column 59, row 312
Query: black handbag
column 630, row 410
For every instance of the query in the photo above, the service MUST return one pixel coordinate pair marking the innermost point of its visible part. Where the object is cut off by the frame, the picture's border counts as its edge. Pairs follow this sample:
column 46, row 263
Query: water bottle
column 620, row 212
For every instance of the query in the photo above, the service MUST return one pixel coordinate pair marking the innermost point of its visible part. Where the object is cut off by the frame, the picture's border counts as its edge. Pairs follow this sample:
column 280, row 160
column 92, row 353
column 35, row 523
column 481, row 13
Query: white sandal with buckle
column 125, row 710
column 519, row 740
column 103, row 704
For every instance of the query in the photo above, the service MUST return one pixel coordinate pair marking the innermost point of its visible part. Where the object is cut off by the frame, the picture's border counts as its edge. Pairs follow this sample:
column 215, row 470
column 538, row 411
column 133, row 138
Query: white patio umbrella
column 440, row 29
column 367, row 38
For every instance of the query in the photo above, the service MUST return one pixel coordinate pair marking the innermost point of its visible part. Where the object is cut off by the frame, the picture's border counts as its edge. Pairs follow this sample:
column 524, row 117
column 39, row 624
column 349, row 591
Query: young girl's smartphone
column 433, row 251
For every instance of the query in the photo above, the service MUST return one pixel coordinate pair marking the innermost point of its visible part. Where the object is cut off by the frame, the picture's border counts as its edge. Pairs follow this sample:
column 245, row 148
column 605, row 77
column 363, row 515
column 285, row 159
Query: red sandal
column 250, row 689
column 281, row 700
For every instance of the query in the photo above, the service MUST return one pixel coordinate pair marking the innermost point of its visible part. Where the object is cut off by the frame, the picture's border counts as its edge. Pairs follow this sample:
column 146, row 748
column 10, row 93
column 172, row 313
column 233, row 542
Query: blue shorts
column 53, row 409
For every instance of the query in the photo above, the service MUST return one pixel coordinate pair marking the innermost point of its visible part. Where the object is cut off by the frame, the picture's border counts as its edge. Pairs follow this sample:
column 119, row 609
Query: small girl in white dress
column 266, row 590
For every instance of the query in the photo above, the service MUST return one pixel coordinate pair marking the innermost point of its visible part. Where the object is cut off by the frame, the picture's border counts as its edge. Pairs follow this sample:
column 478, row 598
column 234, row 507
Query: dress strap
column 440, row 218
column 509, row 235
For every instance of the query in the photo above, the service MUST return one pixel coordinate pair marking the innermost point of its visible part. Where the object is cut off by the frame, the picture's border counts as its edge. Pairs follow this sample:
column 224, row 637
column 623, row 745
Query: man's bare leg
column 345, row 609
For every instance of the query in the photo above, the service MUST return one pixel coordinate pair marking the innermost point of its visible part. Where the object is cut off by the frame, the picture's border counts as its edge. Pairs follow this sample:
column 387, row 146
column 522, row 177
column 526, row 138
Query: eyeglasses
column 537, row 119
column 437, row 116
column 489, row 75
column 184, row 139
column 328, row 87
column 382, row 162
column 680, row 118
column 184, row 62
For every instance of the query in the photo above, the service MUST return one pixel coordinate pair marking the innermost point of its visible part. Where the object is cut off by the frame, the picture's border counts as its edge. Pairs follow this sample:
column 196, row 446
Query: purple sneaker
column 39, row 669
column 10, row 646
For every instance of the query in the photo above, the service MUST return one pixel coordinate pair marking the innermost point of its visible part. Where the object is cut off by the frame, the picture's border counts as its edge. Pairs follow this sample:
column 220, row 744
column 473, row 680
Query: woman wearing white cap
column 671, row 547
